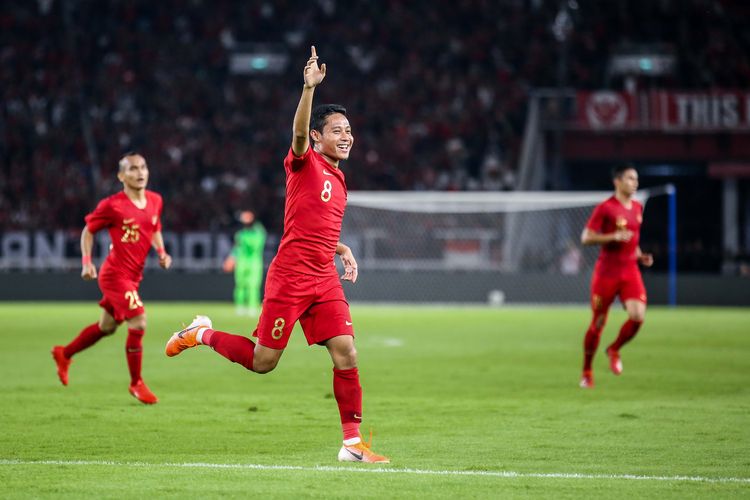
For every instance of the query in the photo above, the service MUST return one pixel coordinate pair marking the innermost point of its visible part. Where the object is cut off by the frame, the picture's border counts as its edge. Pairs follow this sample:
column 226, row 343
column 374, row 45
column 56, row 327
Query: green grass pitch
column 467, row 402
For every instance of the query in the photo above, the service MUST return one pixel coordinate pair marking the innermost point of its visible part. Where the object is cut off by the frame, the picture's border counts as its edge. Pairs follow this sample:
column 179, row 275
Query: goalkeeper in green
column 246, row 260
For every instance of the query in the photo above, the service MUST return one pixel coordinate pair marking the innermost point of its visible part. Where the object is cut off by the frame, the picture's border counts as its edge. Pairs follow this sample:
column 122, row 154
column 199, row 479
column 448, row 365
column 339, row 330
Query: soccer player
column 246, row 260
column 302, row 282
column 133, row 219
column 616, row 226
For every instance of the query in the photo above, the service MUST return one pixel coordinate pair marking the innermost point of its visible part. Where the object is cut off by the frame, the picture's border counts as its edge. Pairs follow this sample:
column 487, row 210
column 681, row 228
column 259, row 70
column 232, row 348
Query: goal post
column 478, row 247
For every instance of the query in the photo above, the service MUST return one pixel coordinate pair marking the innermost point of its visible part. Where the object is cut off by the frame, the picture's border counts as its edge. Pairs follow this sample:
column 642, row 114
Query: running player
column 616, row 226
column 133, row 219
column 302, row 283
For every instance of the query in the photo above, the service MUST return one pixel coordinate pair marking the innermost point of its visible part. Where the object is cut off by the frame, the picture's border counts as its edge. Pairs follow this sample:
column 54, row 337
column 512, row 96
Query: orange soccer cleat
column 361, row 452
column 58, row 354
column 615, row 363
column 142, row 393
column 587, row 380
column 184, row 339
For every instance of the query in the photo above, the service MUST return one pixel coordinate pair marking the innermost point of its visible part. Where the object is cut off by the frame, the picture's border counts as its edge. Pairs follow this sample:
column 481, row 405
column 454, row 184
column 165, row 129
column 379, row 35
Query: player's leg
column 633, row 297
column 134, row 356
column 87, row 337
column 329, row 323
column 602, row 295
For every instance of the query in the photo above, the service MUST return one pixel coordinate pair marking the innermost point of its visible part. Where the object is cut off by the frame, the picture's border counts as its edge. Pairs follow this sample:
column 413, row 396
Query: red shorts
column 120, row 298
column 605, row 286
column 317, row 302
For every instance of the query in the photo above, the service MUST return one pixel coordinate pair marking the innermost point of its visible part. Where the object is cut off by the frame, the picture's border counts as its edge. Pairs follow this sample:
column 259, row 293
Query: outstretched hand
column 313, row 74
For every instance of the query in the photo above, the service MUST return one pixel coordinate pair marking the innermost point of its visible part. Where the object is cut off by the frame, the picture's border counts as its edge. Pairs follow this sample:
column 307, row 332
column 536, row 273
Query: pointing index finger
column 313, row 53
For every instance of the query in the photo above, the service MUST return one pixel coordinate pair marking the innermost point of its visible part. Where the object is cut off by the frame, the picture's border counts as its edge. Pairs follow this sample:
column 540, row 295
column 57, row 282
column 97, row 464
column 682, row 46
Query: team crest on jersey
column 130, row 231
column 621, row 222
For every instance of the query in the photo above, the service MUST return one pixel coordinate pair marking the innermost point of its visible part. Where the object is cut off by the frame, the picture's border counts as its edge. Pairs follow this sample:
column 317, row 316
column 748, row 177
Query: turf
column 459, row 398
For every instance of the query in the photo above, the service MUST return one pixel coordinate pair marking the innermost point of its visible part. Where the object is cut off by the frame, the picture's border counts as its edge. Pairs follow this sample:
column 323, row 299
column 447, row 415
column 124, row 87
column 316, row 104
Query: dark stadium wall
column 390, row 287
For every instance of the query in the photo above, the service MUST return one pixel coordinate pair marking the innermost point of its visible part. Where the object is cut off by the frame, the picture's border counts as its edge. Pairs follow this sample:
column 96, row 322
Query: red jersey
column 313, row 212
column 610, row 216
column 131, row 230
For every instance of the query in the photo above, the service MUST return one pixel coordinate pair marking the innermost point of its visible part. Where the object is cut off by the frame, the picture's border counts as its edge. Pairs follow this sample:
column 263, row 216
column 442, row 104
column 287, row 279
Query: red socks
column 591, row 342
column 235, row 348
column 348, row 395
column 134, row 353
column 627, row 332
column 88, row 337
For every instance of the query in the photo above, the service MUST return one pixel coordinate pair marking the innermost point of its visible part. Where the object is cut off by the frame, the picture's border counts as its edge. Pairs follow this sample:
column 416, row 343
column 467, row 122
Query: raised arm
column 88, row 269
column 313, row 75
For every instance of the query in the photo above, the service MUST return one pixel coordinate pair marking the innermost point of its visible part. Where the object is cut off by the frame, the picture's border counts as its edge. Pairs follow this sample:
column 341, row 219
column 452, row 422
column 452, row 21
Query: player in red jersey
column 616, row 226
column 302, row 283
column 133, row 218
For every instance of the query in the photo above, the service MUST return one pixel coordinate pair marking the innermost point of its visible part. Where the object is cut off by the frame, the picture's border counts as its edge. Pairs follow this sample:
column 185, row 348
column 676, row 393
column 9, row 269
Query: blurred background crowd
column 436, row 92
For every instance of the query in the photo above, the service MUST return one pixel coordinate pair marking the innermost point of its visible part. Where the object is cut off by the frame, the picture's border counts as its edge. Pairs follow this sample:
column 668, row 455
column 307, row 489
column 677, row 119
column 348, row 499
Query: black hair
column 121, row 164
column 620, row 169
column 323, row 111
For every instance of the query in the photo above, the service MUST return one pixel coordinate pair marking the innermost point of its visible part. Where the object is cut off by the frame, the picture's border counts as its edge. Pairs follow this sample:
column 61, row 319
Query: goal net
column 471, row 247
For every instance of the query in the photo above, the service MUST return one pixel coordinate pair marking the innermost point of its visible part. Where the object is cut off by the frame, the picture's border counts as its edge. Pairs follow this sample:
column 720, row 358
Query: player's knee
column 637, row 316
column 262, row 366
column 137, row 325
column 108, row 327
column 350, row 356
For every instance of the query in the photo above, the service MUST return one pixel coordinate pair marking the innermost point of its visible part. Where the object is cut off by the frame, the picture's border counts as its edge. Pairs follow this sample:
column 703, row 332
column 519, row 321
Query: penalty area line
column 385, row 470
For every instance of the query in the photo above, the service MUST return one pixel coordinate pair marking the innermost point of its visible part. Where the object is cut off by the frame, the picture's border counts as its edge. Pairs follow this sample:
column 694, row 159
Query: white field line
column 386, row 470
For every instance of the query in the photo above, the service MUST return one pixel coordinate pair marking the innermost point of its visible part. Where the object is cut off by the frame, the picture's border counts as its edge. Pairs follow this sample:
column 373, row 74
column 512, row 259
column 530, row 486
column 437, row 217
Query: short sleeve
column 596, row 221
column 293, row 163
column 101, row 217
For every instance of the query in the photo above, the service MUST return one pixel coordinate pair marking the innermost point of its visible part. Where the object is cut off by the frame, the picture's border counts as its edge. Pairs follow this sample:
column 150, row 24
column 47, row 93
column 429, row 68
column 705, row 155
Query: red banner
column 675, row 111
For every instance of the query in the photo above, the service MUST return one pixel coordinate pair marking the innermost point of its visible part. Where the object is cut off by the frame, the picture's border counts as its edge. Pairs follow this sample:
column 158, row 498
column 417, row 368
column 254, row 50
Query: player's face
column 627, row 183
column 134, row 172
column 337, row 140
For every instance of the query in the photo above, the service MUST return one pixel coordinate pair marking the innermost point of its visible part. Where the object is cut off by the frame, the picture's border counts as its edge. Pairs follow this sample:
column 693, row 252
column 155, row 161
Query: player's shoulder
column 112, row 199
column 606, row 204
column 153, row 195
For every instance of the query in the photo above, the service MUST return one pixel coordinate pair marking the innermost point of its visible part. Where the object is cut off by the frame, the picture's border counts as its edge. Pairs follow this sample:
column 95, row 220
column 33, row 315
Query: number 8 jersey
column 313, row 212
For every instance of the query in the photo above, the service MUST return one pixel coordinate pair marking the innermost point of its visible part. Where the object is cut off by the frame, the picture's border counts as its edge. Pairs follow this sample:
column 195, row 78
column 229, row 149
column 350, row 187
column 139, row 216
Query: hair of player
column 122, row 164
column 618, row 170
column 323, row 111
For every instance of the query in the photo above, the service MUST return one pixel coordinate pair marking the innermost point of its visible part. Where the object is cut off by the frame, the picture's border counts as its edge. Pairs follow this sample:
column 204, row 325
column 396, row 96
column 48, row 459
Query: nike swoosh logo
column 355, row 455
column 348, row 323
column 358, row 417
column 181, row 334
column 326, row 172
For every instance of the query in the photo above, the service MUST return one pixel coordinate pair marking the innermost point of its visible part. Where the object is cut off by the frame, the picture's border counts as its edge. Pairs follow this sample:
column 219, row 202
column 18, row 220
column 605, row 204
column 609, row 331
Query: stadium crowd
column 436, row 92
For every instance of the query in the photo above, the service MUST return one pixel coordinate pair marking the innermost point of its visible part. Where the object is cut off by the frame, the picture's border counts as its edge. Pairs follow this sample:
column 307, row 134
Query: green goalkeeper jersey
column 249, row 242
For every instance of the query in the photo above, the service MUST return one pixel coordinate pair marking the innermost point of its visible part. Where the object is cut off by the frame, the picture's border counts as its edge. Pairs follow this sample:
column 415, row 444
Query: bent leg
column 636, row 314
column 241, row 350
column 91, row 334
